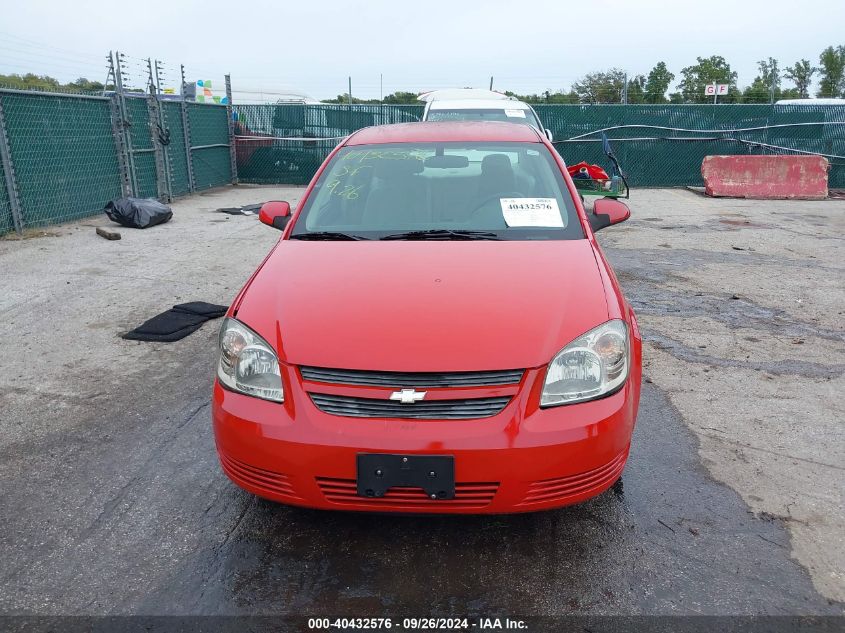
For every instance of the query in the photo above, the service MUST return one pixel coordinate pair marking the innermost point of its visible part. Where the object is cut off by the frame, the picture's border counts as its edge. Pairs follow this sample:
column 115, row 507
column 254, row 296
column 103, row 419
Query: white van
column 470, row 104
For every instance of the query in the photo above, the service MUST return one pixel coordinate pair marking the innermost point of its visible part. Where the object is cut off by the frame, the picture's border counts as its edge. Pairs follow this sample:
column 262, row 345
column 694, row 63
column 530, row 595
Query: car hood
column 424, row 305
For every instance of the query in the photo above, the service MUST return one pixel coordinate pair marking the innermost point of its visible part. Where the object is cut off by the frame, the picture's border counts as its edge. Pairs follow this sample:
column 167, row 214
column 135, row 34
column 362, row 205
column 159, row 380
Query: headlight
column 247, row 363
column 589, row 367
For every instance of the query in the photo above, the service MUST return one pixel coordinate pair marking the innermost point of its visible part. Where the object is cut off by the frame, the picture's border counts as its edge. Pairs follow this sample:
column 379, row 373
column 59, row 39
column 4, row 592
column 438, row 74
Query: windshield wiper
column 442, row 234
column 328, row 236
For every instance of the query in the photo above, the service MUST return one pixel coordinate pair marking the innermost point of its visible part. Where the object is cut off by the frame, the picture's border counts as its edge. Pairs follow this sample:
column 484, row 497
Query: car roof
column 463, row 93
column 821, row 101
column 444, row 131
column 478, row 104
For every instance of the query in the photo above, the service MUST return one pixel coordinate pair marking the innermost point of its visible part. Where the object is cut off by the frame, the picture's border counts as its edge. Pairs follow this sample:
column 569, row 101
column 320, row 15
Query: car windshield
column 509, row 191
column 508, row 115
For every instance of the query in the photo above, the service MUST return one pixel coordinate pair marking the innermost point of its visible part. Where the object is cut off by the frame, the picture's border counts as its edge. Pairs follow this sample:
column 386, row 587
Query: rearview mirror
column 446, row 161
column 607, row 212
column 275, row 213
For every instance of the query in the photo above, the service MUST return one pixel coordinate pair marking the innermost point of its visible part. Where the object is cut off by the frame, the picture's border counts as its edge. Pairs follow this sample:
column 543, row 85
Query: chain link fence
column 664, row 145
column 287, row 143
column 6, row 222
column 65, row 155
column 180, row 182
column 62, row 156
column 657, row 145
column 209, row 145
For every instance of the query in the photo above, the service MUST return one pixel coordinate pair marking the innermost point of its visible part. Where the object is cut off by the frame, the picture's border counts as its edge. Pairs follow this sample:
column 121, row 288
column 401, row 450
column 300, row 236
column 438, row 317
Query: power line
column 42, row 45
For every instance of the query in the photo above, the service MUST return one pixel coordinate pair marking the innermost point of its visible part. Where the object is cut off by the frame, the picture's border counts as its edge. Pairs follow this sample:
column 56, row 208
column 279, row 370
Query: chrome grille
column 412, row 379
column 431, row 410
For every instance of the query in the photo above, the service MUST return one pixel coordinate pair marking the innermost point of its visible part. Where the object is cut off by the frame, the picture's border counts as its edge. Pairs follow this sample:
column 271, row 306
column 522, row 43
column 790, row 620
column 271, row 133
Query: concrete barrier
column 766, row 177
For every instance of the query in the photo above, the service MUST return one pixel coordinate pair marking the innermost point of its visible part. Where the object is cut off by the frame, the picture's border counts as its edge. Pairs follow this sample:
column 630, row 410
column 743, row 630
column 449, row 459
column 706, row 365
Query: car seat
column 399, row 197
column 496, row 176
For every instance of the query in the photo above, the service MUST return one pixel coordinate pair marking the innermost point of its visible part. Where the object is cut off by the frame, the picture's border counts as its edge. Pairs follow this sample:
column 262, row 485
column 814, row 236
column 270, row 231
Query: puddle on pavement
column 744, row 224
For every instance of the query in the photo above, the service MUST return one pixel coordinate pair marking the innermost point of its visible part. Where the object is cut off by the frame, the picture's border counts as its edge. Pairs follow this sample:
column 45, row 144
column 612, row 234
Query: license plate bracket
column 379, row 472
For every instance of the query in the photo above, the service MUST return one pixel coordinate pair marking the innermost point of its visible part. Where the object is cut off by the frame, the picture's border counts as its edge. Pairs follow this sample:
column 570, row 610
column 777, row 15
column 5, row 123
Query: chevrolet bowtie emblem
column 407, row 396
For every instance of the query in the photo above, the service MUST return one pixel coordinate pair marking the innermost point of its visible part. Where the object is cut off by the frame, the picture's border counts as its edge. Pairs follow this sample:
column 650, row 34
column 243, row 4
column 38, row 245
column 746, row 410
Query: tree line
column 616, row 86
column 31, row 81
column 613, row 85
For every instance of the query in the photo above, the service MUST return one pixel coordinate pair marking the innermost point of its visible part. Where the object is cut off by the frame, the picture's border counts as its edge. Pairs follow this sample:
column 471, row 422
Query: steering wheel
column 488, row 199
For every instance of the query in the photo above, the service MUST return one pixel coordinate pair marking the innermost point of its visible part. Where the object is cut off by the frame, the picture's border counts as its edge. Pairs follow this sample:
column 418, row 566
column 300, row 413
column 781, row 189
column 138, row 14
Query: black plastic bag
column 138, row 213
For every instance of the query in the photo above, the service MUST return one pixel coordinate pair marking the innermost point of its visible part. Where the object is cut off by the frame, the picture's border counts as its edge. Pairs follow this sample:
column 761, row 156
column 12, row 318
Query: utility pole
column 625, row 90
column 349, row 105
column 774, row 82
column 381, row 87
column 491, row 82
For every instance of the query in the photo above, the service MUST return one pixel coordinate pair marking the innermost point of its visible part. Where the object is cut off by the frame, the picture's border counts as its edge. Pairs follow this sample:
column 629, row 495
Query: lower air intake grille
column 467, row 496
column 431, row 410
column 412, row 379
column 267, row 482
column 563, row 488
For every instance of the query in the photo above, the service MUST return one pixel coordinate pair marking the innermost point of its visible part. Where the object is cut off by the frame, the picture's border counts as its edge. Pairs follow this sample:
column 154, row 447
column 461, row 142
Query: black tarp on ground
column 176, row 323
column 138, row 213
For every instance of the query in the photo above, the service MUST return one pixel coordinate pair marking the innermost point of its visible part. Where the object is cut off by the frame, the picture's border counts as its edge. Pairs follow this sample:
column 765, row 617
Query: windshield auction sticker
column 531, row 212
column 518, row 114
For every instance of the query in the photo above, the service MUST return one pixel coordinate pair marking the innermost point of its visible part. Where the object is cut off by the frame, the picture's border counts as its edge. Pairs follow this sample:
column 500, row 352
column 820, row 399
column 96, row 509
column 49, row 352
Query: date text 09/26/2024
column 417, row 624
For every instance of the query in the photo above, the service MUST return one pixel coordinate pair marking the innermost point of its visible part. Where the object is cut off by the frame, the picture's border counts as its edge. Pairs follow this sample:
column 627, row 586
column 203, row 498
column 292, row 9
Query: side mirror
column 549, row 135
column 275, row 213
column 607, row 212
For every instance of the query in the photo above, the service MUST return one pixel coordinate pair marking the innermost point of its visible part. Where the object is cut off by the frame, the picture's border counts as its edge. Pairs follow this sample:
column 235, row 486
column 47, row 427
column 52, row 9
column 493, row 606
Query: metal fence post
column 233, row 150
column 164, row 135
column 120, row 147
column 154, row 120
column 186, row 132
column 116, row 120
column 9, row 171
column 124, row 123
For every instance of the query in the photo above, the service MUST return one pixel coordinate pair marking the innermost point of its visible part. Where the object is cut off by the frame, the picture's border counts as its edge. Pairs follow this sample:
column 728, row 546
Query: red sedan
column 437, row 330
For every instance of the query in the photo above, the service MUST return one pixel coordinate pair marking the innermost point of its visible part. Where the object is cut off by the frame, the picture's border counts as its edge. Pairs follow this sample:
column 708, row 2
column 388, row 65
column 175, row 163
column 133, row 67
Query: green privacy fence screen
column 210, row 142
column 179, row 180
column 266, row 156
column 142, row 148
column 663, row 146
column 70, row 157
column 63, row 153
column 657, row 145
column 6, row 224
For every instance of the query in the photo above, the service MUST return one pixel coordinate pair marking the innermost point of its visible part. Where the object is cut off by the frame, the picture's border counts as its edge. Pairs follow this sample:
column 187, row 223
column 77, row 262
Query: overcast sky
column 313, row 45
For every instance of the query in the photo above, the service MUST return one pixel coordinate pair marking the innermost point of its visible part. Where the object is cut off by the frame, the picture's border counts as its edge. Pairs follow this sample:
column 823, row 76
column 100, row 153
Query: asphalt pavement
column 114, row 503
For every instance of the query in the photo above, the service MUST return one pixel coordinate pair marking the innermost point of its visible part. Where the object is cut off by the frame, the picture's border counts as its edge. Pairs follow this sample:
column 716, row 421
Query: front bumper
column 523, row 459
